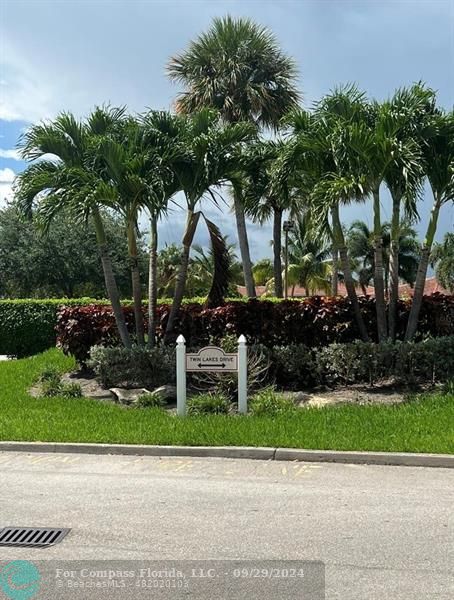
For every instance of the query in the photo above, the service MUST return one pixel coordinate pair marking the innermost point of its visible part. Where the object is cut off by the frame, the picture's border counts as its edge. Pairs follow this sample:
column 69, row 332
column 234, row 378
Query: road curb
column 290, row 454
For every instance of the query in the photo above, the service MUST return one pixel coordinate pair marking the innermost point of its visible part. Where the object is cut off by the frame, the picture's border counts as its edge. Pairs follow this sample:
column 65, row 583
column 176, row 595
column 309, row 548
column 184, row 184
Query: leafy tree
column 61, row 262
column 237, row 68
column 442, row 258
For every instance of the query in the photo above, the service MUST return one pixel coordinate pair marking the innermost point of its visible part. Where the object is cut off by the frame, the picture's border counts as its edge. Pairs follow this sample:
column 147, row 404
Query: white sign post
column 214, row 360
column 242, row 375
column 181, row 376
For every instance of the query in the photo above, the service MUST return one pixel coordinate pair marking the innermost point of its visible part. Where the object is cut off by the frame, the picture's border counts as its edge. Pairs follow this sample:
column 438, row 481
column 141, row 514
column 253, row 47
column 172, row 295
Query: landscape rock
column 128, row 396
column 90, row 386
column 167, row 393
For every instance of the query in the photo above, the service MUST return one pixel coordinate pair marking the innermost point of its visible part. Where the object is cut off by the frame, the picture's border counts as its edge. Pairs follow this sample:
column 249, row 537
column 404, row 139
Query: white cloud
column 14, row 154
column 6, row 193
column 7, row 175
column 6, row 185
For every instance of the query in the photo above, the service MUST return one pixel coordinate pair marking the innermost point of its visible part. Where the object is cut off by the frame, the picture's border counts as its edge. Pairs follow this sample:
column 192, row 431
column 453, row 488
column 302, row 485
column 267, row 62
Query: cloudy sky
column 73, row 54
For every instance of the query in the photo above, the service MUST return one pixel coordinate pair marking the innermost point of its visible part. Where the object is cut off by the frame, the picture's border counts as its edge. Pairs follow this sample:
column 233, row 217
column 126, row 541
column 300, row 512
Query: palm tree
column 439, row 168
column 442, row 258
column 211, row 157
column 263, row 271
column 360, row 241
column 268, row 197
column 412, row 107
column 309, row 266
column 237, row 68
column 70, row 181
column 316, row 154
column 168, row 262
column 126, row 161
column 162, row 137
column 372, row 146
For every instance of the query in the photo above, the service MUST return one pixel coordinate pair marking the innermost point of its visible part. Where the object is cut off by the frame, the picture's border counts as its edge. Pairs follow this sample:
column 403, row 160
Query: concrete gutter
column 362, row 458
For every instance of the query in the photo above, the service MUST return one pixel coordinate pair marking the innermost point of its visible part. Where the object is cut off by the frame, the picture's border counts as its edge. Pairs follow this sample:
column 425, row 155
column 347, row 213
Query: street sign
column 212, row 359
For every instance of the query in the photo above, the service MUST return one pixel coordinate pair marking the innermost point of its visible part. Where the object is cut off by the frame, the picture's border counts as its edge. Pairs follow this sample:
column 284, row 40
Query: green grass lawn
column 423, row 425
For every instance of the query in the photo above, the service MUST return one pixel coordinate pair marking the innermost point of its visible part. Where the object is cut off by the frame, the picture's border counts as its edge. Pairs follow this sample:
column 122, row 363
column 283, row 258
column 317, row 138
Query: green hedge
column 27, row 326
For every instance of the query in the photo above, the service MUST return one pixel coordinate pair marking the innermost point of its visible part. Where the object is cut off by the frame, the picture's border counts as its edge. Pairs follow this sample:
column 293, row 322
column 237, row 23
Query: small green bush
column 50, row 373
column 204, row 404
column 70, row 390
column 150, row 401
column 134, row 367
column 268, row 402
column 294, row 366
column 51, row 388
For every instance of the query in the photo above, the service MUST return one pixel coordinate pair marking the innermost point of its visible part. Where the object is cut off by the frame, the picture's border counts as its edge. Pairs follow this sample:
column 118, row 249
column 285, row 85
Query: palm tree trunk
column 244, row 246
column 152, row 282
column 135, row 280
column 339, row 238
column 277, row 251
column 378, row 271
column 394, row 267
column 191, row 224
column 422, row 272
column 335, row 273
column 109, row 278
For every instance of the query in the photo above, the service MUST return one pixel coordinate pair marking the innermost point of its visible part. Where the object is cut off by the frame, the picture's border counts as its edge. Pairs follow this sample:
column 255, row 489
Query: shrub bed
column 291, row 367
column 31, row 326
column 314, row 322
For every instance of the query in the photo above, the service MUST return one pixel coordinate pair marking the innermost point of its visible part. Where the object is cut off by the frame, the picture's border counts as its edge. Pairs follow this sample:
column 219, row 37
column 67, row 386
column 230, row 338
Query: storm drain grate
column 31, row 537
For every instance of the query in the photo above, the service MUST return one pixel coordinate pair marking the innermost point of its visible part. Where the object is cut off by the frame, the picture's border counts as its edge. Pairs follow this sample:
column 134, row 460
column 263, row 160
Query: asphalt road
column 381, row 532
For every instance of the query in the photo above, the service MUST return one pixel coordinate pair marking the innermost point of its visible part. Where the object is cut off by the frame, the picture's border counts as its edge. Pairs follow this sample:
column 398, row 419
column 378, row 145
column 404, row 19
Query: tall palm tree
column 316, row 153
column 268, row 197
column 162, row 138
column 413, row 107
column 70, row 181
column 237, row 68
column 126, row 161
column 439, row 168
column 372, row 146
column 211, row 157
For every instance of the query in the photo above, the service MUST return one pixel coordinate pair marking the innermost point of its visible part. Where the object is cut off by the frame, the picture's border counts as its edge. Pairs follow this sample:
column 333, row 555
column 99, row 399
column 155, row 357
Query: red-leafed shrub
column 81, row 327
column 316, row 321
